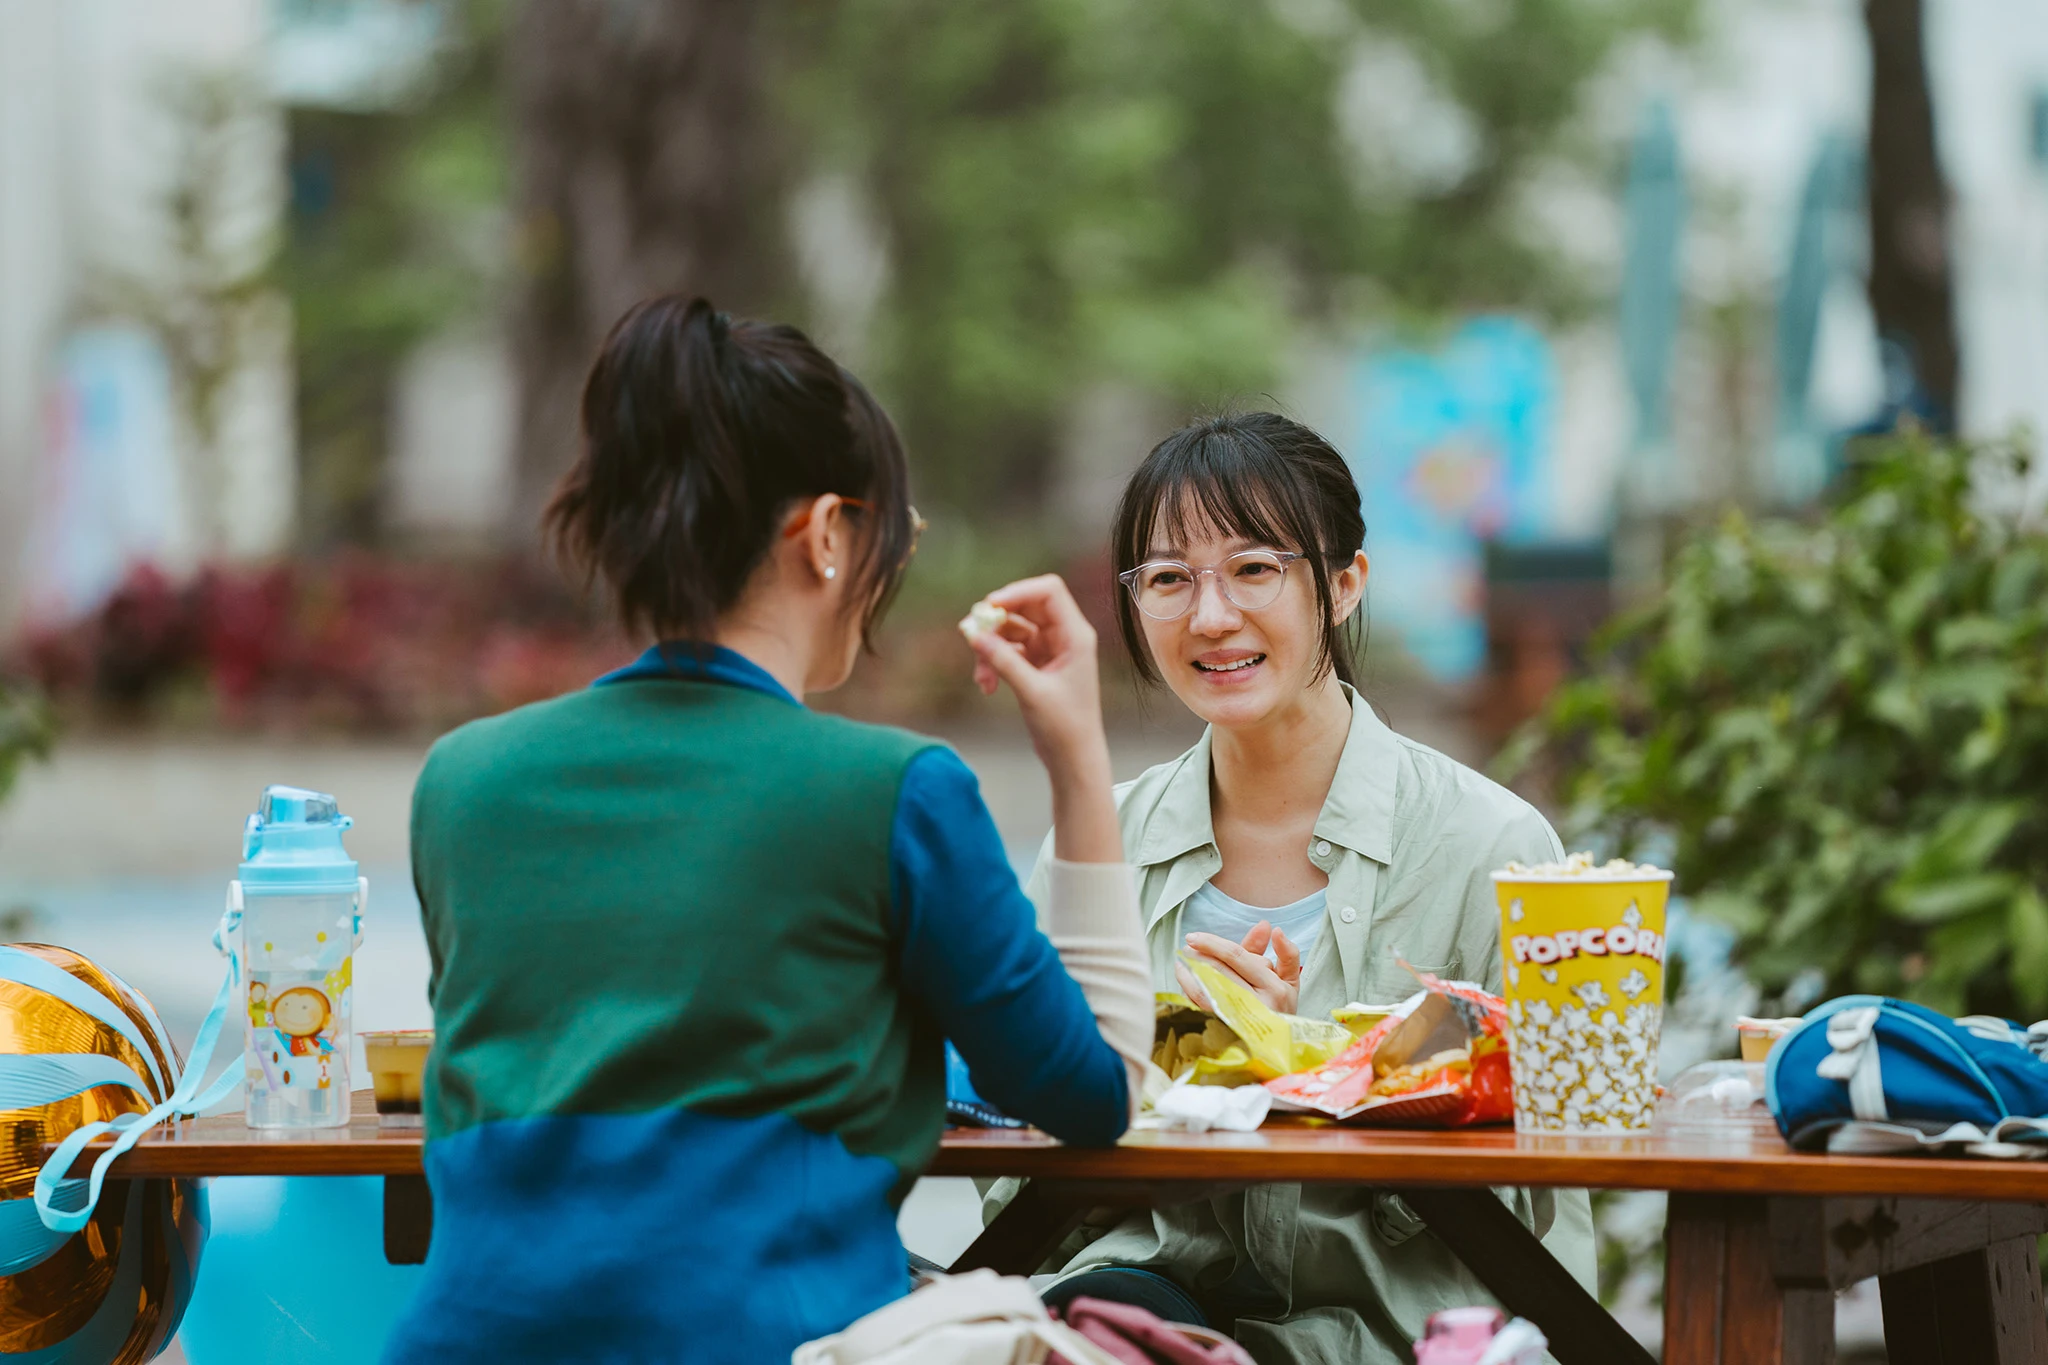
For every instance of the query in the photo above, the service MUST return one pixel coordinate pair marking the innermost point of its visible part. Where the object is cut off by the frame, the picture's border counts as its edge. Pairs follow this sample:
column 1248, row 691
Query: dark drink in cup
column 398, row 1065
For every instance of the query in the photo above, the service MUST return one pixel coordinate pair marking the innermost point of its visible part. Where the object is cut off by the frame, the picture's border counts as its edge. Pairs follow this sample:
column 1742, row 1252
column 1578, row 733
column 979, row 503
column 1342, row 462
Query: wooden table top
column 1754, row 1162
column 1745, row 1162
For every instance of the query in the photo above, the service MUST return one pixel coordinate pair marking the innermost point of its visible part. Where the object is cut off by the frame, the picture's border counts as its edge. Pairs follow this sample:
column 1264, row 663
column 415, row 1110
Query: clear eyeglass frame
column 1177, row 600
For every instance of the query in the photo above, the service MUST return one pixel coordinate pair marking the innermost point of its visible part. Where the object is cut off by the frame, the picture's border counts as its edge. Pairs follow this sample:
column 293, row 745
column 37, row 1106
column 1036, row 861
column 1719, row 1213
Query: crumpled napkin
column 1185, row 1108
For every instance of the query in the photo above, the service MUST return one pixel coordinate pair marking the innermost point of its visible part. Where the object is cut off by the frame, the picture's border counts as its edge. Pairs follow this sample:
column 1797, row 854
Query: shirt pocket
column 1387, row 982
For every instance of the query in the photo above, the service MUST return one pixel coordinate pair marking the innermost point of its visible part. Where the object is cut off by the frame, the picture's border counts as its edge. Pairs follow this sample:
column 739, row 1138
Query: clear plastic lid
column 1714, row 1098
column 284, row 805
column 292, row 845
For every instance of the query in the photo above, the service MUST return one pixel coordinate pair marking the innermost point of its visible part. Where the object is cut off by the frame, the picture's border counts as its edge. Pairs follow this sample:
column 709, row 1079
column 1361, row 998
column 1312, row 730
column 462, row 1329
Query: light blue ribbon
column 141, row 1002
column 188, row 1098
column 30, row 1080
column 24, row 1241
column 50, row 979
column 103, row 1333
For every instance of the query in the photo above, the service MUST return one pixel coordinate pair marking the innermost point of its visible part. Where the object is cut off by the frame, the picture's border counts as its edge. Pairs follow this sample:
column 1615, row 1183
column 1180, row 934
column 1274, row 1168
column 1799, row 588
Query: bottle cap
column 292, row 846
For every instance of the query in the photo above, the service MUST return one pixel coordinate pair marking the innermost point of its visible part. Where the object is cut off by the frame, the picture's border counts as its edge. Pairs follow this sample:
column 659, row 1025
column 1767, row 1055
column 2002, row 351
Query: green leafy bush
column 1841, row 729
column 25, row 732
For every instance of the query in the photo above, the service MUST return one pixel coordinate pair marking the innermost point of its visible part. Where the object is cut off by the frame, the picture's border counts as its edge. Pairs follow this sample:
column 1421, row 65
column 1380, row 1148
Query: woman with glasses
column 1311, row 851
column 695, row 947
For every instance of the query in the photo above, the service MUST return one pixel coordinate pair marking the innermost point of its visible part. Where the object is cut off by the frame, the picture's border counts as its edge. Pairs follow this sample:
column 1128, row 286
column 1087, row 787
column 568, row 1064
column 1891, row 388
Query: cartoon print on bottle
column 303, row 1019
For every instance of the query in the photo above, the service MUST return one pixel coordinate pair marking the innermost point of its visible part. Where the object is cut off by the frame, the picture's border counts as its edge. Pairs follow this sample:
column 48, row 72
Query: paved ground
column 108, row 808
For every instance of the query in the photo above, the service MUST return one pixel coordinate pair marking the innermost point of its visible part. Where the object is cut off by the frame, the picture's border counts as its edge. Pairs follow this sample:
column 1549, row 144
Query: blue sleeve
column 972, row 953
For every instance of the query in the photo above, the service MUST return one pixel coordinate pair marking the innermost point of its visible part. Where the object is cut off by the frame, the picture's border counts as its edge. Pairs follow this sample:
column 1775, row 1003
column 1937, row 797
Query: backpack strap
column 1852, row 1038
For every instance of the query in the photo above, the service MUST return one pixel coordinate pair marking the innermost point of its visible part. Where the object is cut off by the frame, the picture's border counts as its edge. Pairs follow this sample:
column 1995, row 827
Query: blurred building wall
column 1753, row 102
column 85, row 147
column 1990, row 68
column 451, row 442
column 1777, row 75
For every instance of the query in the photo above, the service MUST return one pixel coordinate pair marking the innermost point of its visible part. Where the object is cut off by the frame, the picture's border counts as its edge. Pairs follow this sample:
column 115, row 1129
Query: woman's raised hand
column 1278, row 983
column 1045, row 650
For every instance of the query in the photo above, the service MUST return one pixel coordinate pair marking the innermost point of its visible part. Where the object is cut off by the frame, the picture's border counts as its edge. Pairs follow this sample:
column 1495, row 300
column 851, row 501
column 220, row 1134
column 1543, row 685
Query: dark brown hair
column 1257, row 475
column 700, row 433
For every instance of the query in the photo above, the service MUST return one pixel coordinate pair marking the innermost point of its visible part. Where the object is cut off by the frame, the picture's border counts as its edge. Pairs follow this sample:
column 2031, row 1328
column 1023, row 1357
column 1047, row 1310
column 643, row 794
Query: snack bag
column 1273, row 1043
column 1199, row 1048
column 1360, row 1019
column 1440, row 1060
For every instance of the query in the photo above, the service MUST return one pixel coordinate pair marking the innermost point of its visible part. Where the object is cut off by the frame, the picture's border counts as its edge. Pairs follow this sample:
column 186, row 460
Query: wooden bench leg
column 1029, row 1229
column 408, row 1219
column 1520, row 1271
column 1981, row 1307
column 1723, row 1305
column 1032, row 1226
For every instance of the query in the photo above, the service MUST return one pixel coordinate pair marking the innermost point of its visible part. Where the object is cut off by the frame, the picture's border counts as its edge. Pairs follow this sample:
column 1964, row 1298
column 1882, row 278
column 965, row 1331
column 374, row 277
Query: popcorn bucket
column 1582, row 949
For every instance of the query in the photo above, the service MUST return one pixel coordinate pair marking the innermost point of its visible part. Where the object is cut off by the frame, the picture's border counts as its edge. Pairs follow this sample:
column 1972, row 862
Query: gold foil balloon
column 113, row 1292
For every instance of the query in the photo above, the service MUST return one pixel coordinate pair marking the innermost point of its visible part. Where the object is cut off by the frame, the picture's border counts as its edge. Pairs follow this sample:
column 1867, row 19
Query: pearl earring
column 831, row 571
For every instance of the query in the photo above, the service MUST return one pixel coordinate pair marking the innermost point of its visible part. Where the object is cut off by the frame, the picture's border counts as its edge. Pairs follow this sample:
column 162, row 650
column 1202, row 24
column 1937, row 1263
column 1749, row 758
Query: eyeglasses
column 1165, row 589
column 802, row 522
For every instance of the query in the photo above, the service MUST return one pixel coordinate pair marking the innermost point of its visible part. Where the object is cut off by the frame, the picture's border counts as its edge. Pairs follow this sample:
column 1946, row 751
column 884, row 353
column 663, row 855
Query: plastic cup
column 1583, row 971
column 398, row 1065
column 1758, row 1036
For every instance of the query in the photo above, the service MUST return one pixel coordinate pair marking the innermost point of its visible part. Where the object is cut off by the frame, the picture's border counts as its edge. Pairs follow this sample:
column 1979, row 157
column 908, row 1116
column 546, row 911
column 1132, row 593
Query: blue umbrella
column 1654, row 204
column 1832, row 195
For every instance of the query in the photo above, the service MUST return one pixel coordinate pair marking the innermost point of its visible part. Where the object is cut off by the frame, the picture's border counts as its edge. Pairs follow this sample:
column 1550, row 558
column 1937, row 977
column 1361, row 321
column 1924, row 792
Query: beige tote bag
column 980, row 1318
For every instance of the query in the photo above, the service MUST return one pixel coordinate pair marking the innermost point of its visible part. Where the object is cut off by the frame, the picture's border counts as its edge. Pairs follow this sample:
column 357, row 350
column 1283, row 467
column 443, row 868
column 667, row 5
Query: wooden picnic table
column 1758, row 1239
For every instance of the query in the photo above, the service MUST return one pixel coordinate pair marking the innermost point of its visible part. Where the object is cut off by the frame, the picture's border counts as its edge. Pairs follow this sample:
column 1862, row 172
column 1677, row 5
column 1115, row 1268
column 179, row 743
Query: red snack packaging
column 1439, row 1061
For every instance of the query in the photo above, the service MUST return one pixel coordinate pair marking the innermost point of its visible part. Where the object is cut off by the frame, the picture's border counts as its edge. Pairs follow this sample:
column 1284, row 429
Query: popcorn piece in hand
column 983, row 617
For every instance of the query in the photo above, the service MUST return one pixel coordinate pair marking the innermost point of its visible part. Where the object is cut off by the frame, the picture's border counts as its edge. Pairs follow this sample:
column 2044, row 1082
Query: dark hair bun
column 700, row 431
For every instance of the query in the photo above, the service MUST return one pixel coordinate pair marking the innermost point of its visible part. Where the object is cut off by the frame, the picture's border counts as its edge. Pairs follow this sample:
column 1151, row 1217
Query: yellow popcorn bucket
column 1582, row 953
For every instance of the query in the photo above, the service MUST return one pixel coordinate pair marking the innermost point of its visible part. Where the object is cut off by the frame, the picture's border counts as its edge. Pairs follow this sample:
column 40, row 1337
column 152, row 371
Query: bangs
column 1217, row 485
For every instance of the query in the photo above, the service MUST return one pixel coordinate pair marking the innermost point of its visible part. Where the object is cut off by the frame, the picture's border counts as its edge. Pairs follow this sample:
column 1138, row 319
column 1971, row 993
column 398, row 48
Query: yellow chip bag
column 1228, row 1067
column 1187, row 1043
column 1360, row 1019
column 1275, row 1043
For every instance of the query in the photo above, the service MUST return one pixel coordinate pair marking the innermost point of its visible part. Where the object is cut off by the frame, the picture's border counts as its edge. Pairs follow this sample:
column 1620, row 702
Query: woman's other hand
column 1278, row 983
column 1045, row 651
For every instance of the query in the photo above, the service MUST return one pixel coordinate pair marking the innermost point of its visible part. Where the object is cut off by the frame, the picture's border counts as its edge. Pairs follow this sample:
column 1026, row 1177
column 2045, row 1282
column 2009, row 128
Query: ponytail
column 700, row 432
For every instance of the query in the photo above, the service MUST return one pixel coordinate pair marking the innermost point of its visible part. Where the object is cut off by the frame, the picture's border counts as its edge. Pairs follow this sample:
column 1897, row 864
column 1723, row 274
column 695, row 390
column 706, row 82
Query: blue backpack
column 1869, row 1073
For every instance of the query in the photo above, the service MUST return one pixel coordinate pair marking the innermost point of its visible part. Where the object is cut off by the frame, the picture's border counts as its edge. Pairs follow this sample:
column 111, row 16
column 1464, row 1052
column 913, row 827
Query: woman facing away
column 694, row 946
column 1306, row 847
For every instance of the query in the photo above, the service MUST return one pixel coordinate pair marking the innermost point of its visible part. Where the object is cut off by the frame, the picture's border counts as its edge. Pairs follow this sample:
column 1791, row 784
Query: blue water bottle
column 301, row 901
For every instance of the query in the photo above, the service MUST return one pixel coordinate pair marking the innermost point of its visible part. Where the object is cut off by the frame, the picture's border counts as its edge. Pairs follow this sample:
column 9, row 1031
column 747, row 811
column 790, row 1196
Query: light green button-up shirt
column 1339, row 1274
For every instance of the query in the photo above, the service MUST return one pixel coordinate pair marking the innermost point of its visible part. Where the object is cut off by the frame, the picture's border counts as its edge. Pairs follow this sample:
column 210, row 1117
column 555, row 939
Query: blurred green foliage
column 1073, row 190
column 26, row 731
column 397, row 231
column 1063, row 191
column 1842, row 729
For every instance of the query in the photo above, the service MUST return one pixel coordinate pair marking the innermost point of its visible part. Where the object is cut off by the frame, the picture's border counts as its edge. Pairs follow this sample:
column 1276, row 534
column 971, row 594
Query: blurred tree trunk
column 645, row 165
column 1910, row 287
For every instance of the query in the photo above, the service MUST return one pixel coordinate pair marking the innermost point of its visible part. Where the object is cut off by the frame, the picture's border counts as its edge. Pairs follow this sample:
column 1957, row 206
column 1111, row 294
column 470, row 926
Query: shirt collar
column 694, row 662
column 1358, row 814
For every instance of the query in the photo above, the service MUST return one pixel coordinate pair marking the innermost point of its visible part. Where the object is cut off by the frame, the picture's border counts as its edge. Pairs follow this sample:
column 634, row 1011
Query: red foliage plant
column 354, row 642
